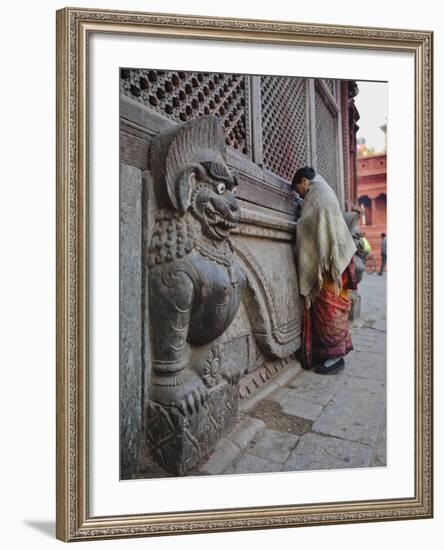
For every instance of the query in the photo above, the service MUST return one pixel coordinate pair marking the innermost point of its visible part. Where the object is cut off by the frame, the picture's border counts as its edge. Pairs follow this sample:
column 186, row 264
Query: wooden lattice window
column 326, row 142
column 284, row 130
column 182, row 96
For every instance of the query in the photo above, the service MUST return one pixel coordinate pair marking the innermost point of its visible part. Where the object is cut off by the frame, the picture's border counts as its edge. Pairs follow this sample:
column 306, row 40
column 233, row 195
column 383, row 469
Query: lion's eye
column 220, row 188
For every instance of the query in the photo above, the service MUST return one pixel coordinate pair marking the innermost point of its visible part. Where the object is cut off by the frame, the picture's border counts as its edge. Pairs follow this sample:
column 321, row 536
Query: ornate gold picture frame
column 75, row 520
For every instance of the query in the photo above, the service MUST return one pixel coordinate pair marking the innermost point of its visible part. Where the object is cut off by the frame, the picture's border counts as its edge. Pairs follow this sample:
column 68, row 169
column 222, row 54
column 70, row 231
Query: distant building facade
column 372, row 197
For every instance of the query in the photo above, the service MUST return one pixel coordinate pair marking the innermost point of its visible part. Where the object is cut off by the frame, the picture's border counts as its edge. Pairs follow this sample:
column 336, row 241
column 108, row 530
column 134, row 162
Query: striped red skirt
column 326, row 327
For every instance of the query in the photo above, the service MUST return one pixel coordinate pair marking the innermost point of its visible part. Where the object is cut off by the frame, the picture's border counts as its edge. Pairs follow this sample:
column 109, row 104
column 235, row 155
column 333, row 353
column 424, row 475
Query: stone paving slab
column 310, row 380
column 296, row 406
column 312, row 387
column 278, row 394
column 368, row 336
column 274, row 445
column 356, row 412
column 223, row 455
column 317, row 397
column 381, row 325
column 361, row 343
column 381, row 343
column 245, row 431
column 365, row 364
column 316, row 452
column 250, row 463
column 364, row 335
column 360, row 346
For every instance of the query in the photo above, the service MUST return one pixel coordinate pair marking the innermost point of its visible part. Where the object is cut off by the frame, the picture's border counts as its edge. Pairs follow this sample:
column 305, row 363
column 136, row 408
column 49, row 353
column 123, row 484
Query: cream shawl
column 323, row 241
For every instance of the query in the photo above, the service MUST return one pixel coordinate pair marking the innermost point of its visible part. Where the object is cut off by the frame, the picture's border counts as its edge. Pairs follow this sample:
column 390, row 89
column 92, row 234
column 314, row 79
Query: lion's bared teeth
column 217, row 220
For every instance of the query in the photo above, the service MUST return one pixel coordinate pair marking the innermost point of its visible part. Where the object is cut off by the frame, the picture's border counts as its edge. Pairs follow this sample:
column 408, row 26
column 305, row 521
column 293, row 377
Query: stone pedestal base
column 178, row 441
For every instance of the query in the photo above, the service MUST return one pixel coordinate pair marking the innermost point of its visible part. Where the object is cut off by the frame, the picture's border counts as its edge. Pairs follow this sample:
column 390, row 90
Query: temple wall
column 272, row 126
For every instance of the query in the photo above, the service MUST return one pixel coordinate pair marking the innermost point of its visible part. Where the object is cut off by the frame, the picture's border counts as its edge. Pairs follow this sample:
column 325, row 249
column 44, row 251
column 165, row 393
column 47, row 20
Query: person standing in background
column 383, row 253
column 366, row 248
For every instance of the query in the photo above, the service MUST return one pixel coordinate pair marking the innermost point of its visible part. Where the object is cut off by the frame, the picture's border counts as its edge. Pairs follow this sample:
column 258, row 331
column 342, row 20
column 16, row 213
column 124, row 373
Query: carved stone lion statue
column 194, row 281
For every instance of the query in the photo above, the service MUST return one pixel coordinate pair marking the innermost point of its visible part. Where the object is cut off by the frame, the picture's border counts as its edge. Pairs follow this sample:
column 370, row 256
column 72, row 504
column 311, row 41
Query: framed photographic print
column 244, row 274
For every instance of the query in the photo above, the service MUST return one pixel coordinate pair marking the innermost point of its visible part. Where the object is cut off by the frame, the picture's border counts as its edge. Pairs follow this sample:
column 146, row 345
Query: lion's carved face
column 213, row 201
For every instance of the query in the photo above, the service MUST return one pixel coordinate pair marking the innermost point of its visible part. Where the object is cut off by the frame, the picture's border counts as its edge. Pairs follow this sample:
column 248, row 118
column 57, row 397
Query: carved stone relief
column 195, row 288
column 272, row 296
column 220, row 297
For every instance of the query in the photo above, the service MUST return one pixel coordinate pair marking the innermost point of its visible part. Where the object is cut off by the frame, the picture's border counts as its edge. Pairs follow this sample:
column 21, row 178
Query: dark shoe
column 333, row 369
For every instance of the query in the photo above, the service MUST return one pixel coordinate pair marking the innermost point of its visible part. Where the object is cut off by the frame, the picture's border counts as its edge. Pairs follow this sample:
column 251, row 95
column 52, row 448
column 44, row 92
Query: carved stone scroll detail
column 276, row 338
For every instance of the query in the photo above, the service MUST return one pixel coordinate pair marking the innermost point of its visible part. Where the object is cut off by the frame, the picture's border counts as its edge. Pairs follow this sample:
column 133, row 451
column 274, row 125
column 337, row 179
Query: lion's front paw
column 193, row 401
column 186, row 392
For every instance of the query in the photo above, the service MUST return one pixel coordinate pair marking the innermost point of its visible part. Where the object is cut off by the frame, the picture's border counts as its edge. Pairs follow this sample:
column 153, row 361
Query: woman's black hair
column 305, row 172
